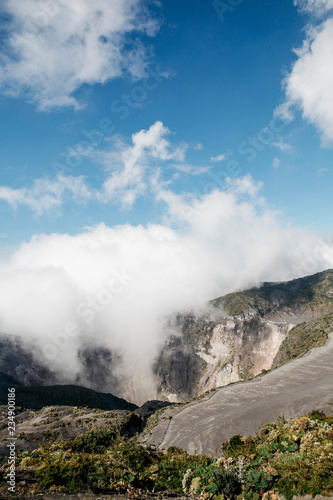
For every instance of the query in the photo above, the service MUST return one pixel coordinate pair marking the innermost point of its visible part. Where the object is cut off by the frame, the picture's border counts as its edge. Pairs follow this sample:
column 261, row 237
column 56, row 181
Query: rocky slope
column 244, row 334
column 66, row 450
column 18, row 361
column 212, row 353
column 26, row 363
column 295, row 388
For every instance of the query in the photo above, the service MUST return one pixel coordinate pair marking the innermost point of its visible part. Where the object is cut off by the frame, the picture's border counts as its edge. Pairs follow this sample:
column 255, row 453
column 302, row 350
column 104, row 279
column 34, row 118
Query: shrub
column 94, row 441
column 71, row 472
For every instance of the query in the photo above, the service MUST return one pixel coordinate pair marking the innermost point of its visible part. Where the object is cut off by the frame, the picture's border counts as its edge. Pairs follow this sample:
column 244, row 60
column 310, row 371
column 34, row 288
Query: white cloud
column 131, row 165
column 55, row 47
column 217, row 158
column 47, row 195
column 283, row 146
column 276, row 162
column 189, row 208
column 129, row 170
column 309, row 85
column 319, row 7
column 227, row 240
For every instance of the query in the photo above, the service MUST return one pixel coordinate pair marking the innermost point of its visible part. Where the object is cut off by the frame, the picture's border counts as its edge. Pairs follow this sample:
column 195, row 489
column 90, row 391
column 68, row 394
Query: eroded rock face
column 178, row 370
column 241, row 334
column 239, row 351
column 97, row 371
column 20, row 362
column 213, row 353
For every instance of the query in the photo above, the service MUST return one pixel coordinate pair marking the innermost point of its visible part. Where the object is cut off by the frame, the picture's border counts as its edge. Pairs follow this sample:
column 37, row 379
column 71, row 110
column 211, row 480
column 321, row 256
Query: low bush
column 95, row 441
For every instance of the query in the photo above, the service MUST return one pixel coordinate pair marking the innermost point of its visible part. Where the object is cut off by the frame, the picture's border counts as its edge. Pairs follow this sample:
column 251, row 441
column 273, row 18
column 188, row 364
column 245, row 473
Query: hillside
column 68, row 450
column 65, row 395
column 243, row 334
column 73, row 439
column 284, row 459
column 308, row 296
column 292, row 389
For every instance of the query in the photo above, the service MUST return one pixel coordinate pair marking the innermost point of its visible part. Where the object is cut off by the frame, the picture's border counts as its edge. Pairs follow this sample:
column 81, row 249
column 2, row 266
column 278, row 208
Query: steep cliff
column 212, row 353
column 243, row 334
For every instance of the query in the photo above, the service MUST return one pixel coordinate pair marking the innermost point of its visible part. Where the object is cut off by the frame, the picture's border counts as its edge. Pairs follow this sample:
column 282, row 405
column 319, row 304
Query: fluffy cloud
column 129, row 170
column 128, row 181
column 55, row 46
column 309, row 85
column 119, row 285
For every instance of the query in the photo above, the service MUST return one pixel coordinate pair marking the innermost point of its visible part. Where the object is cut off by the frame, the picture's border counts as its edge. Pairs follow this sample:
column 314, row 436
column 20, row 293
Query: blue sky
column 219, row 84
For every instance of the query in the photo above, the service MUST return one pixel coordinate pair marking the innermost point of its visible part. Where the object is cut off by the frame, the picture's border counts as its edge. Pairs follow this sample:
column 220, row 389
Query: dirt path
column 290, row 390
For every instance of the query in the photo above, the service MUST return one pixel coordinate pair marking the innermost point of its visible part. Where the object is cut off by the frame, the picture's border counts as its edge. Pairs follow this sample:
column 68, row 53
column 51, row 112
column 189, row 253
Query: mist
column 116, row 287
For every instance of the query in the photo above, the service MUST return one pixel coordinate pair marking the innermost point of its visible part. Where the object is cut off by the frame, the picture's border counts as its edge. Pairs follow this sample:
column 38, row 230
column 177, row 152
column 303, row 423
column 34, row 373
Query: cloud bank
column 54, row 47
column 116, row 287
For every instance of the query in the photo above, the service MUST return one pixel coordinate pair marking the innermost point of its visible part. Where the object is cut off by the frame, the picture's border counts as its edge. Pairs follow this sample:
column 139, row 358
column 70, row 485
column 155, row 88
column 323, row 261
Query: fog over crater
column 77, row 297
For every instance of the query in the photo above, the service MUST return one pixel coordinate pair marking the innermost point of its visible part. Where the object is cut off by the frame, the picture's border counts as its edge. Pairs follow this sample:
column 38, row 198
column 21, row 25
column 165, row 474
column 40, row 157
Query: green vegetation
column 304, row 337
column 291, row 458
column 95, row 441
column 288, row 458
column 310, row 295
column 234, row 304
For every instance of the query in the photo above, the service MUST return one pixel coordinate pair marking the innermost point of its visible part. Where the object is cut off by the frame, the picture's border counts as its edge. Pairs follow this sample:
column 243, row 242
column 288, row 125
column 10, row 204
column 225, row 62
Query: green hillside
column 304, row 337
column 312, row 295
